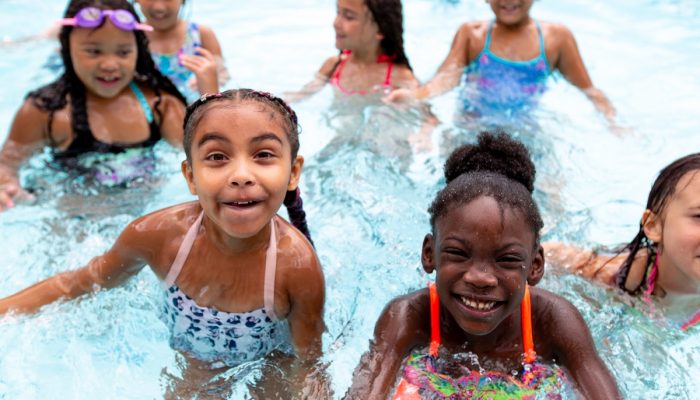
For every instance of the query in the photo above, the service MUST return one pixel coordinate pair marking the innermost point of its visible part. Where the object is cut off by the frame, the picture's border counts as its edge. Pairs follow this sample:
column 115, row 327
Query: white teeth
column 242, row 203
column 478, row 305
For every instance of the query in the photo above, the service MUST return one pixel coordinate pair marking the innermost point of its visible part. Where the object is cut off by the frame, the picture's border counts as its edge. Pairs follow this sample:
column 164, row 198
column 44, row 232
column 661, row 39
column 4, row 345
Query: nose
column 109, row 63
column 480, row 276
column 336, row 22
column 241, row 175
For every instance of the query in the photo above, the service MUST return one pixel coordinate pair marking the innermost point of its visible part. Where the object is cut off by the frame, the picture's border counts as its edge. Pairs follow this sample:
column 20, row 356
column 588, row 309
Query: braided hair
column 497, row 166
column 54, row 96
column 662, row 190
column 388, row 15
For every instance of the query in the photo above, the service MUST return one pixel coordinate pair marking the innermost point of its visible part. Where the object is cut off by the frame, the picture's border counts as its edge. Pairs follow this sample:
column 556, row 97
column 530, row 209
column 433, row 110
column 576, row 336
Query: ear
column 297, row 165
column 652, row 225
column 428, row 255
column 536, row 267
column 189, row 176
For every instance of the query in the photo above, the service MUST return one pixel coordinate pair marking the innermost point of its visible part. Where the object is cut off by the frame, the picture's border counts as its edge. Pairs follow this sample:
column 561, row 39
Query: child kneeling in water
column 485, row 251
column 233, row 271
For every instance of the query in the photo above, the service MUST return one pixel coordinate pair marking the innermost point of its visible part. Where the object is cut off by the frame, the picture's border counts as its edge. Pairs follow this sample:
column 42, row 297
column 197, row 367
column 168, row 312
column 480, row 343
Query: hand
column 205, row 69
column 10, row 191
column 400, row 96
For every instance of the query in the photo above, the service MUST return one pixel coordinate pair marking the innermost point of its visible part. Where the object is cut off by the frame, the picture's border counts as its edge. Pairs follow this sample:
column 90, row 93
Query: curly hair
column 497, row 166
column 662, row 190
column 196, row 110
column 55, row 95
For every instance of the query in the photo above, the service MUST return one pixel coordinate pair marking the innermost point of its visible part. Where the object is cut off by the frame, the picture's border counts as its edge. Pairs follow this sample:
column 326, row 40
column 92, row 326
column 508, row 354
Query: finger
column 201, row 51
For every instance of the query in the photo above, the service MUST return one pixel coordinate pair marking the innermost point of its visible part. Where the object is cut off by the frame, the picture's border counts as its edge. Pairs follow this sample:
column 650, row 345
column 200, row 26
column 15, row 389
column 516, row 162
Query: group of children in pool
column 241, row 282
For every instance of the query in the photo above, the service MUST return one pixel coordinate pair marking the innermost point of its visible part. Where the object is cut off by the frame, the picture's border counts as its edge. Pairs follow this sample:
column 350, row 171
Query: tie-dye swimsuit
column 421, row 380
column 223, row 338
column 170, row 65
column 496, row 85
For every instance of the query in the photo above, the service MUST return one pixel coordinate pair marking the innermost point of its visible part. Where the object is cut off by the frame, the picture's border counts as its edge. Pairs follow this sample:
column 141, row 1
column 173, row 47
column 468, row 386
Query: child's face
column 511, row 12
column 483, row 256
column 161, row 14
column 354, row 27
column 678, row 232
column 104, row 59
column 241, row 166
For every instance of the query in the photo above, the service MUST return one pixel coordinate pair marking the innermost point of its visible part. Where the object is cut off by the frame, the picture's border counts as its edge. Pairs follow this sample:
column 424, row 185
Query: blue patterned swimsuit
column 494, row 85
column 223, row 338
column 170, row 66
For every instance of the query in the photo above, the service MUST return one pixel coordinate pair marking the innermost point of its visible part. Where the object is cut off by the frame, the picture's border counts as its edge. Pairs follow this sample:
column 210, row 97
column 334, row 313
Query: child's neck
column 230, row 245
column 504, row 337
column 167, row 32
column 367, row 55
column 515, row 28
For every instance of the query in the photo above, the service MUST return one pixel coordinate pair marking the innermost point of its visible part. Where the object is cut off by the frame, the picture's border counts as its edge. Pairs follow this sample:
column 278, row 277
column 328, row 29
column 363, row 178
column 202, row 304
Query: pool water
column 365, row 192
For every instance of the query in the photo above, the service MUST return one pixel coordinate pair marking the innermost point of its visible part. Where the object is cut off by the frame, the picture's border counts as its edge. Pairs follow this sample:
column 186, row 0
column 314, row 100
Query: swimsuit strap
column 193, row 35
column 142, row 100
column 529, row 354
column 336, row 74
column 434, row 319
column 541, row 36
column 487, row 43
column 270, row 270
column 183, row 252
column 525, row 317
column 387, row 80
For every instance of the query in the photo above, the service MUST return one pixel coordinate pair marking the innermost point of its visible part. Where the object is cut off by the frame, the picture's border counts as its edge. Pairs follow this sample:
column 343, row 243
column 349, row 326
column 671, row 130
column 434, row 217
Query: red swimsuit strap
column 344, row 56
column 525, row 317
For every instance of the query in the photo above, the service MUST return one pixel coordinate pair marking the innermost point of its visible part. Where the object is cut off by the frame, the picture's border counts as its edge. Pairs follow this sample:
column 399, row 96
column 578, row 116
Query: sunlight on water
column 365, row 191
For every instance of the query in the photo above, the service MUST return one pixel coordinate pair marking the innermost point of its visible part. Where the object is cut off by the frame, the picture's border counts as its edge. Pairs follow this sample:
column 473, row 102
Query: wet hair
column 196, row 110
column 54, row 96
column 388, row 15
column 496, row 166
column 662, row 190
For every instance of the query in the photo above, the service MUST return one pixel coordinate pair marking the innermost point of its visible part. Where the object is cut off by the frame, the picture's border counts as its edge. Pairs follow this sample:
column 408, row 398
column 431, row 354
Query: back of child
column 186, row 52
column 369, row 36
column 239, row 280
column 109, row 99
column 661, row 260
column 480, row 313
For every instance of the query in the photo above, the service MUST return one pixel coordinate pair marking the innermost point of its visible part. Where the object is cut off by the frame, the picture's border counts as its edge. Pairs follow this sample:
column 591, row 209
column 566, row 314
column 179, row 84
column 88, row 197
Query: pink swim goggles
column 92, row 17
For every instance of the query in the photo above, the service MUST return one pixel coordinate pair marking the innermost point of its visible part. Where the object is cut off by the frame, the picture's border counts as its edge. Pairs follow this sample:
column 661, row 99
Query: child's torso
column 166, row 53
column 358, row 78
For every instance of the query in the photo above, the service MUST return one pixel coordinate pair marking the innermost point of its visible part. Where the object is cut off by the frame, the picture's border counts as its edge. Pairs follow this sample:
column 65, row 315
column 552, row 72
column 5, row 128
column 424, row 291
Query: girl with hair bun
column 485, row 250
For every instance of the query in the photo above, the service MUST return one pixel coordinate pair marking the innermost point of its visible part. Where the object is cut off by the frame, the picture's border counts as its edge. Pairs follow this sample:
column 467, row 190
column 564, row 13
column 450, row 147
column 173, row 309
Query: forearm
column 601, row 102
column 446, row 79
column 65, row 285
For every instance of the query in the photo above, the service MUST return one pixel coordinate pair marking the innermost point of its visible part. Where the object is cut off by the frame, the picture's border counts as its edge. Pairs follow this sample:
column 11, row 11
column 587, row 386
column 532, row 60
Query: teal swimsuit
column 170, row 66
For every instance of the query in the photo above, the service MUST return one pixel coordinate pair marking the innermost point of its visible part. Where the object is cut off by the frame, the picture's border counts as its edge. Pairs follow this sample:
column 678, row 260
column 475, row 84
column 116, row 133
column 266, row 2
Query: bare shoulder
column 209, row 40
column 559, row 322
column 29, row 123
column 296, row 255
column 405, row 321
column 402, row 76
column 473, row 29
column 556, row 33
column 328, row 66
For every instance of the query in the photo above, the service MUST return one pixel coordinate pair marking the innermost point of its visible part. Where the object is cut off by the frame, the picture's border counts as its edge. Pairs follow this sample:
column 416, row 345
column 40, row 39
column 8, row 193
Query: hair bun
column 494, row 152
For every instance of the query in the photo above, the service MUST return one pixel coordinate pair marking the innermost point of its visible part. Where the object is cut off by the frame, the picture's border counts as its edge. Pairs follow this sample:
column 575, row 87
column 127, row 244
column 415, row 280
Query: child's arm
column 573, row 348
column 400, row 327
column 583, row 262
column 124, row 259
column 447, row 76
column 207, row 63
column 322, row 76
column 26, row 136
column 173, row 112
column 570, row 64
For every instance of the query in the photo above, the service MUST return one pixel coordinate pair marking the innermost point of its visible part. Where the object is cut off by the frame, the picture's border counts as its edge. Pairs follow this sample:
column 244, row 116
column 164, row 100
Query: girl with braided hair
column 663, row 259
column 238, row 280
column 483, row 311
column 109, row 99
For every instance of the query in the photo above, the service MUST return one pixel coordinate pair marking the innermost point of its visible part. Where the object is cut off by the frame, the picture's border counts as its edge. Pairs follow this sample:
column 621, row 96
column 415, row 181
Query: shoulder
column 208, row 37
column 405, row 321
column 473, row 29
column 30, row 122
column 556, row 33
column 402, row 76
column 559, row 322
column 296, row 256
column 328, row 66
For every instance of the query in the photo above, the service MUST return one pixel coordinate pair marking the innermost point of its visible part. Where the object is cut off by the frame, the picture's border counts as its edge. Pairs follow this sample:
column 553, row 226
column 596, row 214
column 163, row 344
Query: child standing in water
column 506, row 62
column 369, row 35
column 485, row 251
column 662, row 259
column 110, row 97
column 186, row 52
column 238, row 280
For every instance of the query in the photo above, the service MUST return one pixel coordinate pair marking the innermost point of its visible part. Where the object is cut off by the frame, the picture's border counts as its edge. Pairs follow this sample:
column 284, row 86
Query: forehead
column 687, row 189
column 484, row 220
column 105, row 34
column 353, row 5
column 240, row 120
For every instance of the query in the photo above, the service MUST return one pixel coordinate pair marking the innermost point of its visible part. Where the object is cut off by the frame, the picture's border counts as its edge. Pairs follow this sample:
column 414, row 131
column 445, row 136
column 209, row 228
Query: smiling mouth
column 108, row 81
column 242, row 204
column 510, row 8
column 478, row 305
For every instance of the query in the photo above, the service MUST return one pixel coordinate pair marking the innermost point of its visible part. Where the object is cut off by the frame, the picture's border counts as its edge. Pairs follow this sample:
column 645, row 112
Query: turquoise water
column 364, row 192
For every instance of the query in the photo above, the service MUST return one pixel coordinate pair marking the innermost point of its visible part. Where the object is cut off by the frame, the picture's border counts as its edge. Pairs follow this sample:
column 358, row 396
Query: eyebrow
column 212, row 136
column 266, row 136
